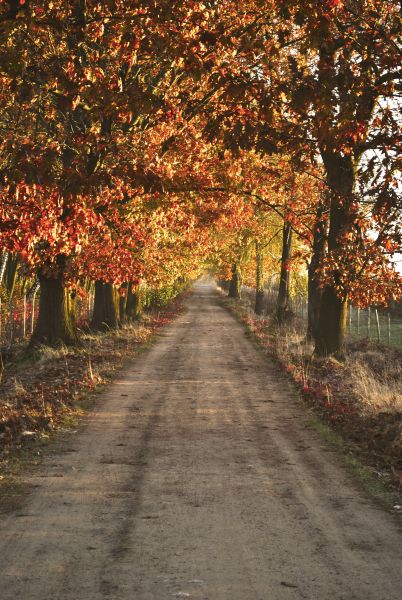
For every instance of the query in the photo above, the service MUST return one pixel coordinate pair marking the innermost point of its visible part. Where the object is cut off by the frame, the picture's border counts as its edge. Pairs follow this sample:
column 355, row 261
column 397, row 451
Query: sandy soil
column 198, row 476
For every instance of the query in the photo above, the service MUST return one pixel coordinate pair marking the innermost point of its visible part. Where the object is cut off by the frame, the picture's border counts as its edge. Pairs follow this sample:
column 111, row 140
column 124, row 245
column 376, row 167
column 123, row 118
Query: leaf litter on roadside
column 41, row 394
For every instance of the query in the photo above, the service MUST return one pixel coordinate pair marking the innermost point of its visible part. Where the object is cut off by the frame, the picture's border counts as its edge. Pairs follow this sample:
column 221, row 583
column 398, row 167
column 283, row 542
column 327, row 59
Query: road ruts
column 198, row 476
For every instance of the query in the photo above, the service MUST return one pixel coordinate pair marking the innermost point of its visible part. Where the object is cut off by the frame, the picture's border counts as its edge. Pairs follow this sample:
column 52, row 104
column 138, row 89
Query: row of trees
column 143, row 140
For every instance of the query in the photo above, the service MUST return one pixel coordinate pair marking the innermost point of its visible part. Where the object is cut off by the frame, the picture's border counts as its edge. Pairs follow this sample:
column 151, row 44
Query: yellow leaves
column 95, row 128
column 75, row 102
column 93, row 75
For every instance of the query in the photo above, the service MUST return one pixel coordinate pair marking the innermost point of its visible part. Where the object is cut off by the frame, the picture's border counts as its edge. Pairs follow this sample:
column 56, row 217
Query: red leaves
column 335, row 3
column 135, row 121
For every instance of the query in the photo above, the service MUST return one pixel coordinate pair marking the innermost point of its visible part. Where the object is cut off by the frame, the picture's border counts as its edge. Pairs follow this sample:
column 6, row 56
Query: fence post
column 377, row 320
column 11, row 320
column 389, row 329
column 358, row 320
column 33, row 312
column 368, row 321
column 24, row 316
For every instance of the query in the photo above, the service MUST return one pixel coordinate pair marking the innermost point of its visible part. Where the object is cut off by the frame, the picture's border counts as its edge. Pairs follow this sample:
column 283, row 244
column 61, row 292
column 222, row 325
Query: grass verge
column 371, row 481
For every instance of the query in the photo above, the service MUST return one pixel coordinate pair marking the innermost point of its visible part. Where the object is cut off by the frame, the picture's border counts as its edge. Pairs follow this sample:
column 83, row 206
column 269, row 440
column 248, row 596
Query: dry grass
column 45, row 354
column 373, row 372
column 374, row 391
column 373, row 375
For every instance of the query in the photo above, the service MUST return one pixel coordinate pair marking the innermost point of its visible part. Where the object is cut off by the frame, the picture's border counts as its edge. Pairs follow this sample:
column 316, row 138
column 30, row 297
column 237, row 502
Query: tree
column 318, row 80
column 315, row 262
column 259, row 279
column 138, row 136
column 282, row 304
column 105, row 315
column 75, row 126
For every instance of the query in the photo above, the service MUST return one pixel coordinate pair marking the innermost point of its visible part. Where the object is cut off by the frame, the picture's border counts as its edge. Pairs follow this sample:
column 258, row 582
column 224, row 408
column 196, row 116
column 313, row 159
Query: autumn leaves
column 138, row 140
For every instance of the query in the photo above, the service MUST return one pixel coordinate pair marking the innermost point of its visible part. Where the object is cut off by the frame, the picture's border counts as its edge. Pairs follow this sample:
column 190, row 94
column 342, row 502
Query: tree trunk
column 55, row 325
column 259, row 280
column 235, row 283
column 123, row 293
column 314, row 291
column 10, row 273
column 330, row 337
column 331, row 329
column 282, row 303
column 3, row 264
column 314, row 304
column 105, row 315
column 224, row 284
column 134, row 302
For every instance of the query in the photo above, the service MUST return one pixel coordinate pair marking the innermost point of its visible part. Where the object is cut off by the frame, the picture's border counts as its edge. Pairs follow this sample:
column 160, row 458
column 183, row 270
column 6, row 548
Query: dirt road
column 198, row 477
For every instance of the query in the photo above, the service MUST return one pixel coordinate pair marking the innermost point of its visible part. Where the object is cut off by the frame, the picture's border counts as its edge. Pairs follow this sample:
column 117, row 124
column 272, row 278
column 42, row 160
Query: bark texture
column 259, row 280
column 123, row 293
column 331, row 328
column 282, row 303
column 56, row 323
column 105, row 315
column 134, row 303
column 235, row 283
column 314, row 290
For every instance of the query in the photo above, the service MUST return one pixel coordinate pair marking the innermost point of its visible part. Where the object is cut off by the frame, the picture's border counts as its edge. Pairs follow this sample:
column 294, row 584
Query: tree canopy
column 144, row 140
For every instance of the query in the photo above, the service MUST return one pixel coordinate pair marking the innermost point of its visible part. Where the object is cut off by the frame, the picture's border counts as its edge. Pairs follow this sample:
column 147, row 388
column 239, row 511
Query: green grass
column 395, row 338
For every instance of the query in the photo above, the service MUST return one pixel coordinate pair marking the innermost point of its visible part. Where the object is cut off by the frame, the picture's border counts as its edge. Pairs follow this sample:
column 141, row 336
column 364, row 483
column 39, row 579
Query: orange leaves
column 333, row 4
column 153, row 133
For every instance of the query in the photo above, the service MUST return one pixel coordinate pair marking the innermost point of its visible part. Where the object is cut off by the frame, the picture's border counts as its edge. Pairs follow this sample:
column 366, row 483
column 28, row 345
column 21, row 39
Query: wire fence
column 18, row 317
column 17, row 320
column 372, row 323
column 375, row 324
